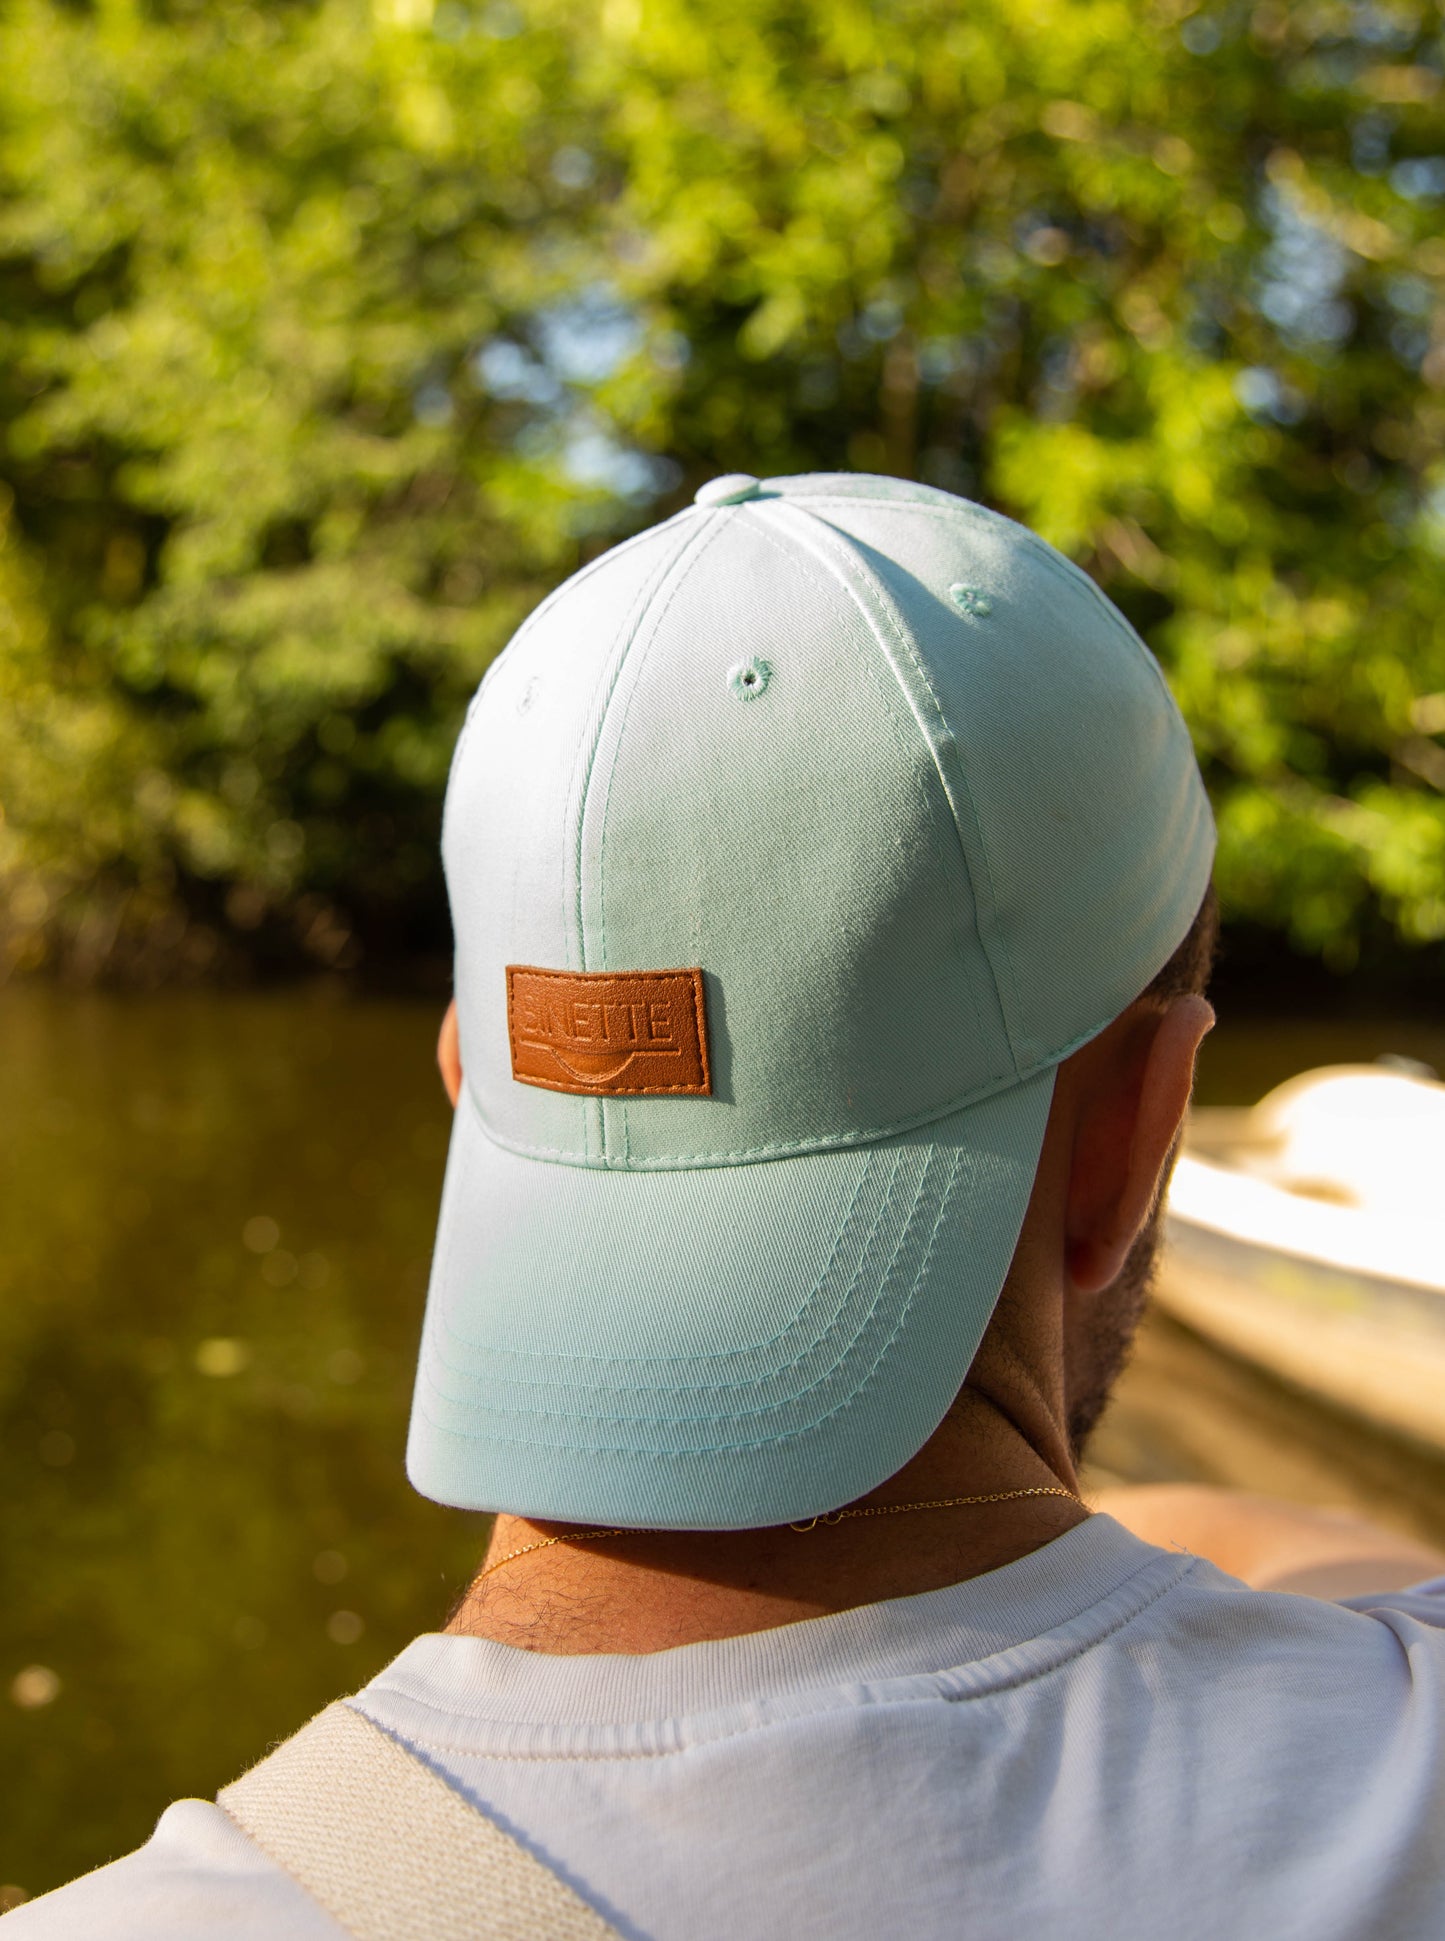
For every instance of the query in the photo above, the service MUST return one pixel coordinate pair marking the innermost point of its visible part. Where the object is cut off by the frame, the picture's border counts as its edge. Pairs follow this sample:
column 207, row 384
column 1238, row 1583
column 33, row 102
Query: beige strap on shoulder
column 393, row 1852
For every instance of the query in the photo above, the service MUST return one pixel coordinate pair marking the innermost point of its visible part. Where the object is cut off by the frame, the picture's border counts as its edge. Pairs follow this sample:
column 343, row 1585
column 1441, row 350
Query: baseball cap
column 791, row 845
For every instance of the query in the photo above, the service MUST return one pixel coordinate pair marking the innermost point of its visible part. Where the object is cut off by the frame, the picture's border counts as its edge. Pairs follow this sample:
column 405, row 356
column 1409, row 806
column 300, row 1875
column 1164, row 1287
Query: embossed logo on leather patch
column 608, row 1033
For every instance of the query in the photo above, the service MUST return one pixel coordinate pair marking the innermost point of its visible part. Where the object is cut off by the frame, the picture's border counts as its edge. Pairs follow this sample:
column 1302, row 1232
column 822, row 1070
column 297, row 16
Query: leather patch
column 608, row 1034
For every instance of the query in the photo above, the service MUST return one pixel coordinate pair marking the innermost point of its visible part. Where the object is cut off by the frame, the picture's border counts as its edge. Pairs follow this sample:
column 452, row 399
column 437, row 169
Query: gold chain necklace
column 828, row 1517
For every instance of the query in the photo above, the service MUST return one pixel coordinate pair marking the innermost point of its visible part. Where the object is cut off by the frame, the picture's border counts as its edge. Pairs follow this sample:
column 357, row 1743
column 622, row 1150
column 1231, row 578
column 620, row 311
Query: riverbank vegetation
column 333, row 334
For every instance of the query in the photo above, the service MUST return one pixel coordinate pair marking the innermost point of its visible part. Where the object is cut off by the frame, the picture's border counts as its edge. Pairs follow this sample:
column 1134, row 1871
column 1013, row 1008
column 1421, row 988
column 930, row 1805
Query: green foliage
column 247, row 258
column 332, row 335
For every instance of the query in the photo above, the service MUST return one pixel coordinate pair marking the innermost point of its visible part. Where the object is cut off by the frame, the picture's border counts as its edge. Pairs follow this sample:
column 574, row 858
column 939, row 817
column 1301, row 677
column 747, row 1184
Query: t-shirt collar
column 474, row 1681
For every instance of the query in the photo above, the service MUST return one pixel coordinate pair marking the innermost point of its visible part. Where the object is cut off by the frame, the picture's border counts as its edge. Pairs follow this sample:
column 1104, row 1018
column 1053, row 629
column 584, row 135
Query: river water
column 215, row 1222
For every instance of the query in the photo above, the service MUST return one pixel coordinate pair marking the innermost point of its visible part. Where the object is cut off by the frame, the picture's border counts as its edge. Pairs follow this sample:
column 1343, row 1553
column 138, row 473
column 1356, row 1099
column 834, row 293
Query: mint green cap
column 915, row 799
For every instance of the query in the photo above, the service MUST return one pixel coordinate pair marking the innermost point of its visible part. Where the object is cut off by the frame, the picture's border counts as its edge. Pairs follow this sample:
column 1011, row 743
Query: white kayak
column 1307, row 1234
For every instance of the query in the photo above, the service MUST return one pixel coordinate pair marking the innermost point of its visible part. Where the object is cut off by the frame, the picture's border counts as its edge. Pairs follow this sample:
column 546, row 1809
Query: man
column 829, row 868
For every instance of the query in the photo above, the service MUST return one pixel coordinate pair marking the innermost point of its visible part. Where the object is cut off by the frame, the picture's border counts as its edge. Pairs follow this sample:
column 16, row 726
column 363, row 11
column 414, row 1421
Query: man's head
column 1067, row 1315
column 807, row 857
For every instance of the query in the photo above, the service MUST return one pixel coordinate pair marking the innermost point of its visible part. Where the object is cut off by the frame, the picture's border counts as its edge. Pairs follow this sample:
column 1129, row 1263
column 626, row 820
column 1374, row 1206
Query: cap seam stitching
column 960, row 941
column 883, row 608
column 844, row 1402
column 687, row 1421
column 832, row 1142
column 828, row 592
column 597, row 711
column 574, row 937
column 885, row 605
column 709, row 1392
column 636, row 543
column 687, row 563
column 1057, row 563
column 679, row 567
column 642, row 1363
column 683, row 564
column 727, row 1354
column 543, row 607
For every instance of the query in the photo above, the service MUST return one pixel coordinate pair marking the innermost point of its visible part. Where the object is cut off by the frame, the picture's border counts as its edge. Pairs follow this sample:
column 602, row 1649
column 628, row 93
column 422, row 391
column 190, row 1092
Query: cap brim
column 723, row 1347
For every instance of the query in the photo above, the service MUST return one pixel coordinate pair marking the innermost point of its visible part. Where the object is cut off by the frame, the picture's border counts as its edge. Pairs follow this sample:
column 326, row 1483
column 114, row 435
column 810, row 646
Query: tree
column 314, row 387
column 278, row 526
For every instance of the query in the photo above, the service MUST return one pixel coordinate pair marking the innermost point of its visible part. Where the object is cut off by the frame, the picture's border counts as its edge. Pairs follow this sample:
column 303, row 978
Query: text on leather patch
column 608, row 1033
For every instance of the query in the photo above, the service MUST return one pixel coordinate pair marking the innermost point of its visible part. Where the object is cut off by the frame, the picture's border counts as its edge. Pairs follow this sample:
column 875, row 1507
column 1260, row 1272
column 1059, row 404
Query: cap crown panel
column 888, row 769
column 1095, row 824
column 799, row 848
column 509, row 838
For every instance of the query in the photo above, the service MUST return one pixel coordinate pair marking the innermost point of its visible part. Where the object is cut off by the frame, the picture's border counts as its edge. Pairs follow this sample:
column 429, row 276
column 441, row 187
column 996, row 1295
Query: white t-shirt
column 1102, row 1742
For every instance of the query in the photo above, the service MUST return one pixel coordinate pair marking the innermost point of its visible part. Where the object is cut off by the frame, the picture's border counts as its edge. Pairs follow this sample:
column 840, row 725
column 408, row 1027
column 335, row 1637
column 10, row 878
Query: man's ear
column 1133, row 1087
column 449, row 1054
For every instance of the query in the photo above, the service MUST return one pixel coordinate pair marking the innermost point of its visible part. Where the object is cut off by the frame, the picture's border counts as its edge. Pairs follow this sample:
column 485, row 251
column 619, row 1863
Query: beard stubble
column 1109, row 1341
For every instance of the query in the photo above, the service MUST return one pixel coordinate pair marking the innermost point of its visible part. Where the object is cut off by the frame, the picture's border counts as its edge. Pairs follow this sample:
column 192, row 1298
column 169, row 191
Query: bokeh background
column 332, row 335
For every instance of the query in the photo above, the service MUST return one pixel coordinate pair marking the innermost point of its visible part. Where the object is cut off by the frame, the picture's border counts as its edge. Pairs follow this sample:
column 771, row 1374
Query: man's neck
column 651, row 1591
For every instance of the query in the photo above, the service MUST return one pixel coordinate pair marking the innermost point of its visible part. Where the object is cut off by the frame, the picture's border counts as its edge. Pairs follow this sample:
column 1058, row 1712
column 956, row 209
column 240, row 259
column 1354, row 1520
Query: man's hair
column 1187, row 972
